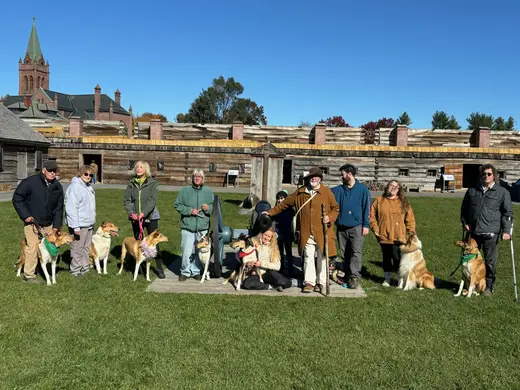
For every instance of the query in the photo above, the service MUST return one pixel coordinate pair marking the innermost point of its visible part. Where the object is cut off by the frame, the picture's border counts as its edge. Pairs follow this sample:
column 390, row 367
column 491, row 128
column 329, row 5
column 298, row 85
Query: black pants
column 391, row 257
column 150, row 227
column 490, row 252
column 273, row 278
column 287, row 265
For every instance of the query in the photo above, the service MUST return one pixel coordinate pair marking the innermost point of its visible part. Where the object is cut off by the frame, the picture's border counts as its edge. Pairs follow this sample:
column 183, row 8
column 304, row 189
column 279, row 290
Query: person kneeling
column 268, row 265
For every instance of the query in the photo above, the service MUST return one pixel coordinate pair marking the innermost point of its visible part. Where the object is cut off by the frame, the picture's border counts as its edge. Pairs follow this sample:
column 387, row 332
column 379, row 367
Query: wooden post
column 266, row 172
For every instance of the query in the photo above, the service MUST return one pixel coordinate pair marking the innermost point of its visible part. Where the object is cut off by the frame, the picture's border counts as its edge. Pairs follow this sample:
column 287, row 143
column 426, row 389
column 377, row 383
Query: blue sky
column 302, row 60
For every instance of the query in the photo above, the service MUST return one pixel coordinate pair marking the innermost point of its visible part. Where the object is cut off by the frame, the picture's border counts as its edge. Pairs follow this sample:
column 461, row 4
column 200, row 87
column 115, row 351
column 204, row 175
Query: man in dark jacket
column 352, row 225
column 38, row 199
column 486, row 212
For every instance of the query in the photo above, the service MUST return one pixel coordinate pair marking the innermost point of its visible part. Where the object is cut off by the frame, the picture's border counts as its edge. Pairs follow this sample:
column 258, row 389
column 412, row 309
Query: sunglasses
column 88, row 174
column 487, row 174
column 52, row 170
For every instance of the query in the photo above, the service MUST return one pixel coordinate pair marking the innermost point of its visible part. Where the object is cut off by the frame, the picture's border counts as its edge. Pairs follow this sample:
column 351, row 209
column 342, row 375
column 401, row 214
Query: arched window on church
column 31, row 84
column 38, row 82
column 26, row 83
column 43, row 83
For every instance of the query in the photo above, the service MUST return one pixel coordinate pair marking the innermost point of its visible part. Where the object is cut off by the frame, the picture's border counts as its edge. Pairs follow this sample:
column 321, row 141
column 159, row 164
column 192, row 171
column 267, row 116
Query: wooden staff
column 326, row 237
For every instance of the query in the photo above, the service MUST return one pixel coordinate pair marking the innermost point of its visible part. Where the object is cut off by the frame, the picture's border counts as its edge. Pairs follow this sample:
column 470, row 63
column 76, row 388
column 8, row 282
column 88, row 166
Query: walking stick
column 326, row 237
column 513, row 261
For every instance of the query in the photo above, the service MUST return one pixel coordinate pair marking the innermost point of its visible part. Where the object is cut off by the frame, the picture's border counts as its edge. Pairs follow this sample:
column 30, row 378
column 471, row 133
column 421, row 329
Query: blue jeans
column 191, row 264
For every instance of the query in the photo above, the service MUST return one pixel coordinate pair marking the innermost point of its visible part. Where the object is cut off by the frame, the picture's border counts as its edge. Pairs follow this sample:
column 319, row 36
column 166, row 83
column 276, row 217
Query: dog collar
column 466, row 258
column 244, row 254
column 51, row 248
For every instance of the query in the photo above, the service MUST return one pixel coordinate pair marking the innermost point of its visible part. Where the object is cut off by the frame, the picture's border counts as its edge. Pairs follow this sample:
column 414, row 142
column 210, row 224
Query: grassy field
column 105, row 332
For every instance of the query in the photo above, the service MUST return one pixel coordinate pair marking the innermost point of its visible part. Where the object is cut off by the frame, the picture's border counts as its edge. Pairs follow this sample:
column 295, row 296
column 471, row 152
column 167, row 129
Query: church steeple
column 33, row 71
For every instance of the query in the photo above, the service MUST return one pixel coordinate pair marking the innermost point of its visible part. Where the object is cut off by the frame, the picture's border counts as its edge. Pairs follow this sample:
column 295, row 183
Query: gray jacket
column 80, row 204
column 487, row 212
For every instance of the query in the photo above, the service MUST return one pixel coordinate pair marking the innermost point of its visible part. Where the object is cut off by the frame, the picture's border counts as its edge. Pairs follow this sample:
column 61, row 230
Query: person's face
column 267, row 237
column 139, row 170
column 50, row 174
column 197, row 180
column 315, row 181
column 346, row 177
column 393, row 189
column 87, row 177
column 488, row 177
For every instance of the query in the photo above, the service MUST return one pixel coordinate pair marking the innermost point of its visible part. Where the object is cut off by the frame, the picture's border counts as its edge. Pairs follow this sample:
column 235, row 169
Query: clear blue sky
column 302, row 60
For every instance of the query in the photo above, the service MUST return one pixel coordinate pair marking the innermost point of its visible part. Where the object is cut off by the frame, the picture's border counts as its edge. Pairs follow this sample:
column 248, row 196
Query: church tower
column 33, row 72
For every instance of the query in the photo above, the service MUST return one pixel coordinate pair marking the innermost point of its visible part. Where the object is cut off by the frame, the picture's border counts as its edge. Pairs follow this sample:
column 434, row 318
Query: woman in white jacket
column 80, row 210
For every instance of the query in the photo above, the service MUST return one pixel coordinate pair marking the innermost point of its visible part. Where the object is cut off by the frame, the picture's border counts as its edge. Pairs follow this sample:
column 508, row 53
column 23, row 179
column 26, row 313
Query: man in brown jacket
column 307, row 201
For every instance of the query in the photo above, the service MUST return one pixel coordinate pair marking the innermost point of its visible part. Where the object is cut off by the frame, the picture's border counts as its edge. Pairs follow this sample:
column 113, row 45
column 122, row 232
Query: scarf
column 466, row 258
column 51, row 248
column 140, row 180
column 149, row 252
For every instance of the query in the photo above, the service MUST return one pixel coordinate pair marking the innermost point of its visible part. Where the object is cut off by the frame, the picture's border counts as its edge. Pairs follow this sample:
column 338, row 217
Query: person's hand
column 257, row 263
column 204, row 207
column 194, row 212
column 133, row 216
column 29, row 220
column 326, row 219
column 467, row 228
column 250, row 264
column 54, row 230
column 265, row 212
column 506, row 236
column 140, row 216
column 365, row 231
column 77, row 231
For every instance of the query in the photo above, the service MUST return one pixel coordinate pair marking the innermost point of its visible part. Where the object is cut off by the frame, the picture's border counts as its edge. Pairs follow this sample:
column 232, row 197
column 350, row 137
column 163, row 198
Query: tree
column 305, row 124
column 148, row 116
column 477, row 120
column 221, row 103
column 501, row 124
column 440, row 120
column 404, row 119
column 336, row 121
column 370, row 128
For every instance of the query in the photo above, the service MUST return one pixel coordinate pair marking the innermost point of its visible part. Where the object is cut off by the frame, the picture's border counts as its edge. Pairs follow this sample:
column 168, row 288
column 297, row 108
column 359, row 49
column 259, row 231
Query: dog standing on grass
column 141, row 250
column 48, row 249
column 100, row 246
column 473, row 269
column 412, row 268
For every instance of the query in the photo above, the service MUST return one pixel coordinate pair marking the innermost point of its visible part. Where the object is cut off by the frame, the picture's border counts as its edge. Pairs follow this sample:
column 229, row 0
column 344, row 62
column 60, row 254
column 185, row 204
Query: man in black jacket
column 487, row 213
column 38, row 198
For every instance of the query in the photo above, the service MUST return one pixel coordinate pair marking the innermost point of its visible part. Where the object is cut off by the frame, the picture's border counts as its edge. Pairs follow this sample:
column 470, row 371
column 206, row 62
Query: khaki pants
column 31, row 249
column 310, row 267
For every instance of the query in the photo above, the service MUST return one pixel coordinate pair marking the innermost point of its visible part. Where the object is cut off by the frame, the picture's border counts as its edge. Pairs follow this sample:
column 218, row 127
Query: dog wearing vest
column 204, row 251
column 473, row 269
column 245, row 253
column 141, row 250
column 100, row 246
column 48, row 249
column 412, row 269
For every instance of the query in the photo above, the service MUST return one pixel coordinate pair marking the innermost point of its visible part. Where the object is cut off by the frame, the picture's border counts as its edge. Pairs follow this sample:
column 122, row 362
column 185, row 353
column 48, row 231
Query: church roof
column 12, row 128
column 34, row 50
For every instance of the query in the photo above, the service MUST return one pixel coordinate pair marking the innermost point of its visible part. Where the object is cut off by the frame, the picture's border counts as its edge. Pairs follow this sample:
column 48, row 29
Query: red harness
column 244, row 254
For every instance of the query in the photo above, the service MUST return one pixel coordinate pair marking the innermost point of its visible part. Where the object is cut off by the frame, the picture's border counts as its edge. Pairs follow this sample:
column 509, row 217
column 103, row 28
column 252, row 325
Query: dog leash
column 39, row 229
column 141, row 229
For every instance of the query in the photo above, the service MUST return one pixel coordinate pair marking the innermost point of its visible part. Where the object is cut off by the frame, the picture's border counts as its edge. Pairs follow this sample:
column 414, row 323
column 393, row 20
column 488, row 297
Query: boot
column 159, row 268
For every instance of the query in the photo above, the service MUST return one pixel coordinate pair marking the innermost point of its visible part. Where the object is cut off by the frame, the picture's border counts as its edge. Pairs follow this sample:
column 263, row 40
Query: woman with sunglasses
column 80, row 210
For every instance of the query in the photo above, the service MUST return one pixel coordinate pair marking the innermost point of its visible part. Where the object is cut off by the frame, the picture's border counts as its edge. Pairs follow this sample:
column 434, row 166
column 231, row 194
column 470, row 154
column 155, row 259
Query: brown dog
column 100, row 246
column 412, row 269
column 54, row 241
column 473, row 268
column 245, row 253
column 142, row 250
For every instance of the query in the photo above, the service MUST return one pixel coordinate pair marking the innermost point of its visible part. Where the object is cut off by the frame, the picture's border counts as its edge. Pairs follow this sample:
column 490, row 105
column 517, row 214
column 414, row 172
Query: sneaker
column 197, row 277
column 279, row 289
column 160, row 273
column 318, row 288
column 183, row 278
column 307, row 288
column 385, row 284
column 32, row 280
column 487, row 292
column 353, row 283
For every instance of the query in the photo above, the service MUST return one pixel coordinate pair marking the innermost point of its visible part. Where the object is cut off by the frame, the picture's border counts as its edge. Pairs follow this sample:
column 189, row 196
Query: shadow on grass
column 234, row 202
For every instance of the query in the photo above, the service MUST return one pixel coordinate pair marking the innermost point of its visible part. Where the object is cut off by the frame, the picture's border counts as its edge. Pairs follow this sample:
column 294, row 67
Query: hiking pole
column 513, row 261
column 326, row 237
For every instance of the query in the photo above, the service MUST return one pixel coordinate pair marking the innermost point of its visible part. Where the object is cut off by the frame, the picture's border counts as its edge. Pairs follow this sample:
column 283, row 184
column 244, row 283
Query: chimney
column 401, row 138
column 237, row 131
column 117, row 96
column 97, row 101
column 56, row 100
column 75, row 126
column 483, row 137
column 110, row 111
column 319, row 133
column 27, row 101
column 156, row 129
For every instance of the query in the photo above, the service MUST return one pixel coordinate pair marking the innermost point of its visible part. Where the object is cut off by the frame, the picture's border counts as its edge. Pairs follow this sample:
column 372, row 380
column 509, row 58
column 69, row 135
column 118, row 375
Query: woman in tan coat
column 391, row 219
column 309, row 226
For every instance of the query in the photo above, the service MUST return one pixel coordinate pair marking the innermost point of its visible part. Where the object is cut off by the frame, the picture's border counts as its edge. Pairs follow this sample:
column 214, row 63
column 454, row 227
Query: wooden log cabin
column 417, row 157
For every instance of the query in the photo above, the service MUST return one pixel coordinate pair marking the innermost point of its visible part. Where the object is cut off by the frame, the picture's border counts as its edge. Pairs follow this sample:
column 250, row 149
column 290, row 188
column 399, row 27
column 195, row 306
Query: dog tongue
column 114, row 233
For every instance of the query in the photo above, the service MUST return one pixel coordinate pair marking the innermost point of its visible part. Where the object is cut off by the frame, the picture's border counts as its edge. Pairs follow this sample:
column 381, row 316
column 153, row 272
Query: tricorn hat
column 313, row 173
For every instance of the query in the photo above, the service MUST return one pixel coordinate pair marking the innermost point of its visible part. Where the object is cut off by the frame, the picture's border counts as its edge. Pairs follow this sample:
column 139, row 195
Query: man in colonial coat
column 307, row 202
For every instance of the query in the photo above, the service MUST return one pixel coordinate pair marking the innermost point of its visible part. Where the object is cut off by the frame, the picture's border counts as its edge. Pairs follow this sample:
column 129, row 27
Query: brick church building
column 35, row 99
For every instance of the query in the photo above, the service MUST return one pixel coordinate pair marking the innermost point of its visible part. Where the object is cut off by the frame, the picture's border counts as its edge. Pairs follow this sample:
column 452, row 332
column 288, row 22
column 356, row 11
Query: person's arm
column 288, row 202
column 152, row 201
column 179, row 205
column 127, row 200
column 58, row 216
column 209, row 202
column 21, row 192
column 367, row 202
column 506, row 210
column 409, row 220
column 333, row 213
column 374, row 223
column 464, row 208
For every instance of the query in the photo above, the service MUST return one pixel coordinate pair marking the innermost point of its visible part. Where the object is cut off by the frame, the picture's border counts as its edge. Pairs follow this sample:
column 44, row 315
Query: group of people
column 486, row 214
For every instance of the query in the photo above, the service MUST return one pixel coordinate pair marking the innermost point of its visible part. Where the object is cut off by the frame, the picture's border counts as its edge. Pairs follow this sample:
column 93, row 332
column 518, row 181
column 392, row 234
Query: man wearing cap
column 352, row 225
column 38, row 200
column 307, row 202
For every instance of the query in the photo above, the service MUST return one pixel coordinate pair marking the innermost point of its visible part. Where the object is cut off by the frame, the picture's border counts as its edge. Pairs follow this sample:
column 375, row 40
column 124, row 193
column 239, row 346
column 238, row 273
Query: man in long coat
column 307, row 202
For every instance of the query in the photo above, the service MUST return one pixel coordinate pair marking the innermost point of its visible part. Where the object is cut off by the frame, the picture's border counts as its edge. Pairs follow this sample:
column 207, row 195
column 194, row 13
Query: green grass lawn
column 105, row 332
